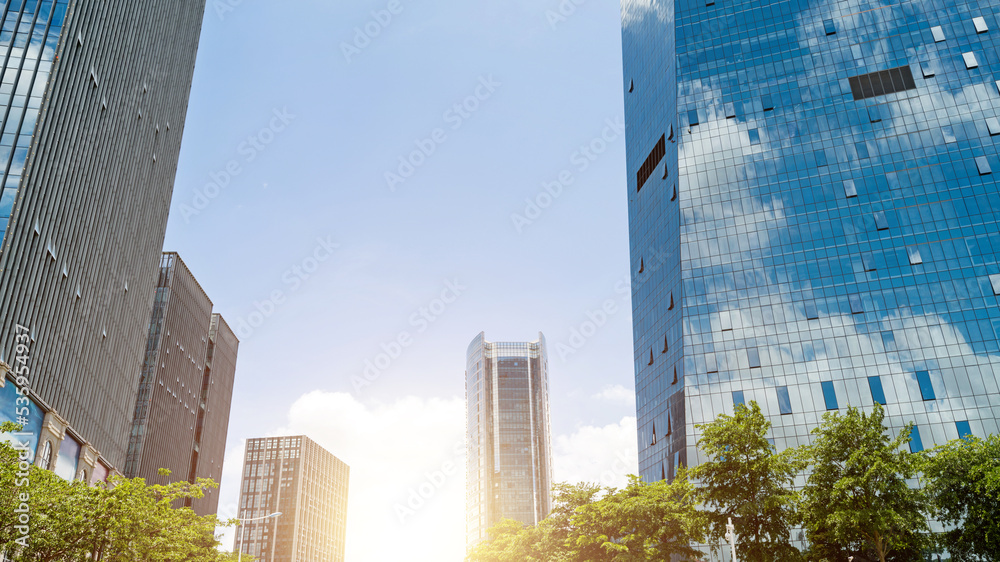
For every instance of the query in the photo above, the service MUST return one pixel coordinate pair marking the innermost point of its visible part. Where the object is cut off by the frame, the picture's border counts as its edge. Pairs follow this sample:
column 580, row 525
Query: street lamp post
column 239, row 557
column 731, row 537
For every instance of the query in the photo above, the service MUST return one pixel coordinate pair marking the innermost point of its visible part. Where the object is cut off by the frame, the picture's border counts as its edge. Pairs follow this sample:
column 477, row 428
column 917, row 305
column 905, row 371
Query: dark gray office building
column 93, row 98
column 182, row 410
column 509, row 462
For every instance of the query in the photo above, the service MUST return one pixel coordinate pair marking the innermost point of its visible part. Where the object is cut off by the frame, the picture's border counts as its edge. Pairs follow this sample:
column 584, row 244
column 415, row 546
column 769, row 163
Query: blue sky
column 321, row 262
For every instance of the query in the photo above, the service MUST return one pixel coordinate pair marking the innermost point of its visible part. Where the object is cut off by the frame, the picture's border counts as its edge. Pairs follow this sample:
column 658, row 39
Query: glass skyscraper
column 509, row 459
column 812, row 215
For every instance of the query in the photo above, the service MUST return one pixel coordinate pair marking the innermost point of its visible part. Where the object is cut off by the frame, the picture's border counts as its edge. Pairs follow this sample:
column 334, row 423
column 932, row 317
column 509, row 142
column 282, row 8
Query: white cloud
column 400, row 450
column 605, row 455
column 616, row 393
column 395, row 451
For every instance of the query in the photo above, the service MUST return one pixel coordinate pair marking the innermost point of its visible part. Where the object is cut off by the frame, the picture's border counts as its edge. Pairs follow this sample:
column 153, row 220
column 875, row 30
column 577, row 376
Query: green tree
column 511, row 541
column 639, row 522
column 746, row 479
column 655, row 521
column 124, row 520
column 962, row 479
column 856, row 500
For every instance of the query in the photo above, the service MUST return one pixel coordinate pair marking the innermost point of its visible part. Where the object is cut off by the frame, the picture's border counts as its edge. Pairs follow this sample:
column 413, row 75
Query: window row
column 830, row 393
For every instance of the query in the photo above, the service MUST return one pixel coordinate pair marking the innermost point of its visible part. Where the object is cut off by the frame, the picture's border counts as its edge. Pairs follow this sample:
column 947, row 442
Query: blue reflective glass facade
column 836, row 216
column 28, row 38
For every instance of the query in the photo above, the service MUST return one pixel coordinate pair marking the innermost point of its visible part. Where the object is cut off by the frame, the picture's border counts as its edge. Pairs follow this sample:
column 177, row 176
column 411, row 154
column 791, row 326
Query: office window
column 875, row 385
column 651, row 161
column 913, row 253
column 868, row 262
column 692, row 117
column 983, row 165
column 767, row 102
column 926, row 388
column 948, row 134
column 754, row 135
column 754, row 356
column 916, row 444
column 857, row 307
column 993, row 124
column 995, row 282
column 811, row 311
column 874, row 113
column 864, row 86
column 784, row 403
column 829, row 395
column 830, row 28
column 849, row 189
column 712, row 362
column 938, row 33
column 725, row 321
column 738, row 398
column 970, row 60
column 881, row 223
column 964, row 429
column 980, row 24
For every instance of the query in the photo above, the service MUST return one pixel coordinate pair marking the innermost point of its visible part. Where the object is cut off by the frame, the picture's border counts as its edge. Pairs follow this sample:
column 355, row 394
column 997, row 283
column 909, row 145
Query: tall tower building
column 306, row 484
column 181, row 414
column 93, row 102
column 509, row 459
column 812, row 215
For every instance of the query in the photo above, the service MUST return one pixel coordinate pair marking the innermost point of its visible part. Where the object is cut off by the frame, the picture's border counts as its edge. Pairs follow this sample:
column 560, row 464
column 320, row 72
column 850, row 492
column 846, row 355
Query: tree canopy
column 123, row 520
column 638, row 522
column 746, row 479
column 857, row 500
column 962, row 479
